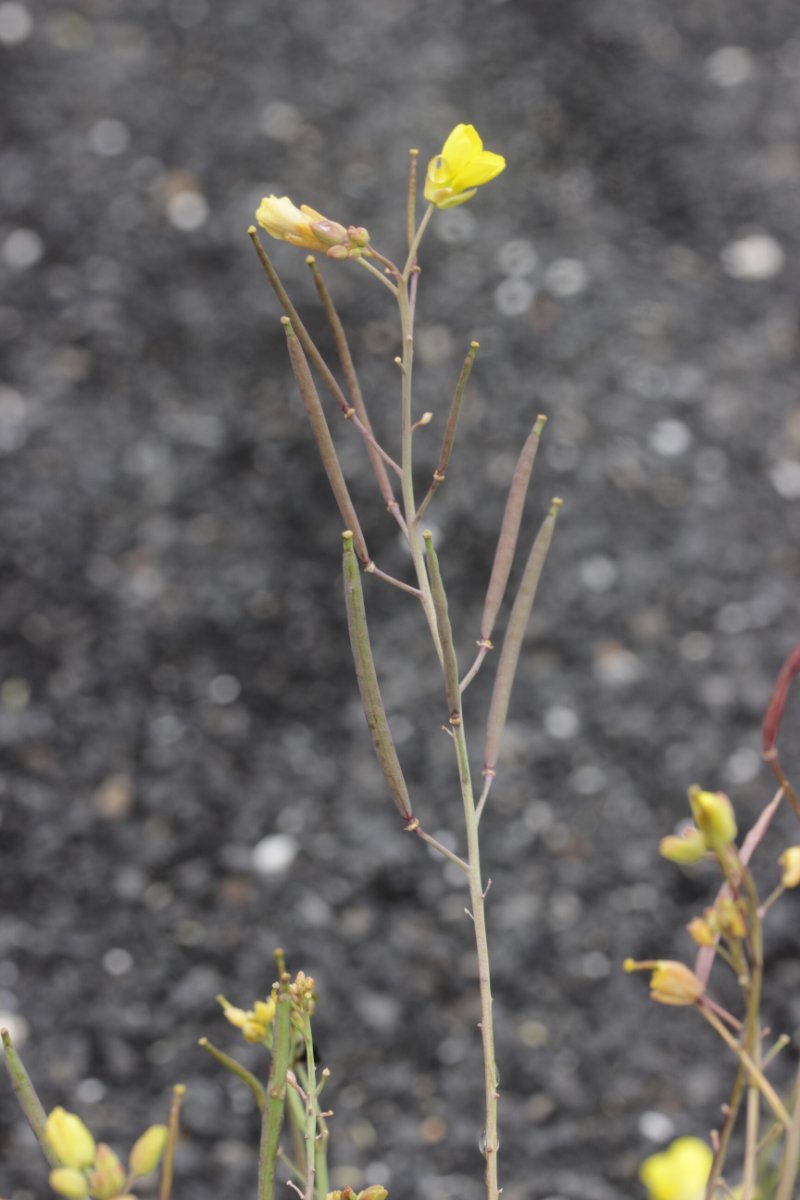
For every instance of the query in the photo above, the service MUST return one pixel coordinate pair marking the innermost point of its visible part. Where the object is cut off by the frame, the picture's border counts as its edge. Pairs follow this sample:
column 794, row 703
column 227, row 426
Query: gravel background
column 188, row 781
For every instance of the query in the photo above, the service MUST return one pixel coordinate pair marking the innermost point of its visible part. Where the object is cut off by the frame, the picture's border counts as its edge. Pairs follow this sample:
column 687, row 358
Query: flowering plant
column 294, row 1125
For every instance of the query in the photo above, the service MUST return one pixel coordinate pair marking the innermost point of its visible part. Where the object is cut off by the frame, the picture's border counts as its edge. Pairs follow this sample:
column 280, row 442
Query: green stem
column 476, row 889
column 362, row 262
column 478, row 897
column 406, row 462
column 312, row 1111
column 752, row 1037
column 414, row 247
column 724, row 1136
column 274, row 1108
column 27, row 1098
column 235, row 1068
column 168, row 1163
column 753, row 1072
column 791, row 1151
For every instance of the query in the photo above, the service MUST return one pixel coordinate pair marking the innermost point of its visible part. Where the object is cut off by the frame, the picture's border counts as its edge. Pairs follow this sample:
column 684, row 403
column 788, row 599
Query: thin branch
column 354, row 389
column 753, row 1072
column 450, row 430
column 509, row 529
column 413, row 826
column 173, row 1126
column 512, row 642
column 236, row 1068
column 384, row 279
column 411, row 206
column 322, row 435
column 791, row 1151
column 306, row 341
column 411, row 261
column 27, row 1097
column 371, row 569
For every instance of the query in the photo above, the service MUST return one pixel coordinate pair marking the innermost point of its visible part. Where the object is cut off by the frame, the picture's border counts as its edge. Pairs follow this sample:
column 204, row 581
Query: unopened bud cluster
column 306, row 227
column 92, row 1171
column 374, row 1192
column 724, row 919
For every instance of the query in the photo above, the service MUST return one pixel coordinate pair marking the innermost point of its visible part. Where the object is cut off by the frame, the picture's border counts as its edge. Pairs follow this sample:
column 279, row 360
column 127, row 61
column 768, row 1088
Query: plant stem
column 235, row 1068
column 272, row 1121
column 731, row 1113
column 753, row 1072
column 27, row 1098
column 414, row 247
column 167, row 1167
column 791, row 1151
column 752, row 1036
column 312, row 1111
column 476, row 889
column 406, row 461
column 478, row 897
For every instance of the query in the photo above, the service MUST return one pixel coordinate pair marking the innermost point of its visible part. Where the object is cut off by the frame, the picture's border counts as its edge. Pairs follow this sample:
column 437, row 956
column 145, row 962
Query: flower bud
column 686, row 848
column 375, row 1192
column 107, row 1176
column 147, row 1150
column 714, row 817
column 69, row 1139
column 69, row 1182
column 790, row 861
column 329, row 233
column 358, row 235
column 675, row 983
column 701, row 932
column 726, row 917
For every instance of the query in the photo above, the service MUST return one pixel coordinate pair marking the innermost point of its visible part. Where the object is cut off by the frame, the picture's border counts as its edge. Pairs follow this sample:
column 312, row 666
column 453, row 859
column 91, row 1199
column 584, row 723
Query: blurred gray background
column 188, row 781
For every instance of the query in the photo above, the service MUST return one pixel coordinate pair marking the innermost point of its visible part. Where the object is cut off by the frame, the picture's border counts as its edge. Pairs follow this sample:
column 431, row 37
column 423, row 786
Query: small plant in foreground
column 731, row 930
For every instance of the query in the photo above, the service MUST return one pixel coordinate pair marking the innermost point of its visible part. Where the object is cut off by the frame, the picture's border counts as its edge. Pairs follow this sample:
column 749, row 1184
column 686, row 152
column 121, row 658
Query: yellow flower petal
column 680, row 1172
column 462, row 166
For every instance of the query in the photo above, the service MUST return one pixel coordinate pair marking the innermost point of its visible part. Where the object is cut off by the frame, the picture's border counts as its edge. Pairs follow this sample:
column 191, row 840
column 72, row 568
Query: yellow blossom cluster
column 254, row 1022
column 92, row 1171
column 453, row 176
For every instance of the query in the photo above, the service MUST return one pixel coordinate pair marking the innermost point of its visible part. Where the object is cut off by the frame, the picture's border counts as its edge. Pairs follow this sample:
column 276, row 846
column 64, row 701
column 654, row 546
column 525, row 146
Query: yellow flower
column 671, row 982
column 790, row 861
column 679, row 1173
column 302, row 226
column 461, row 167
column 254, row 1023
column 69, row 1139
